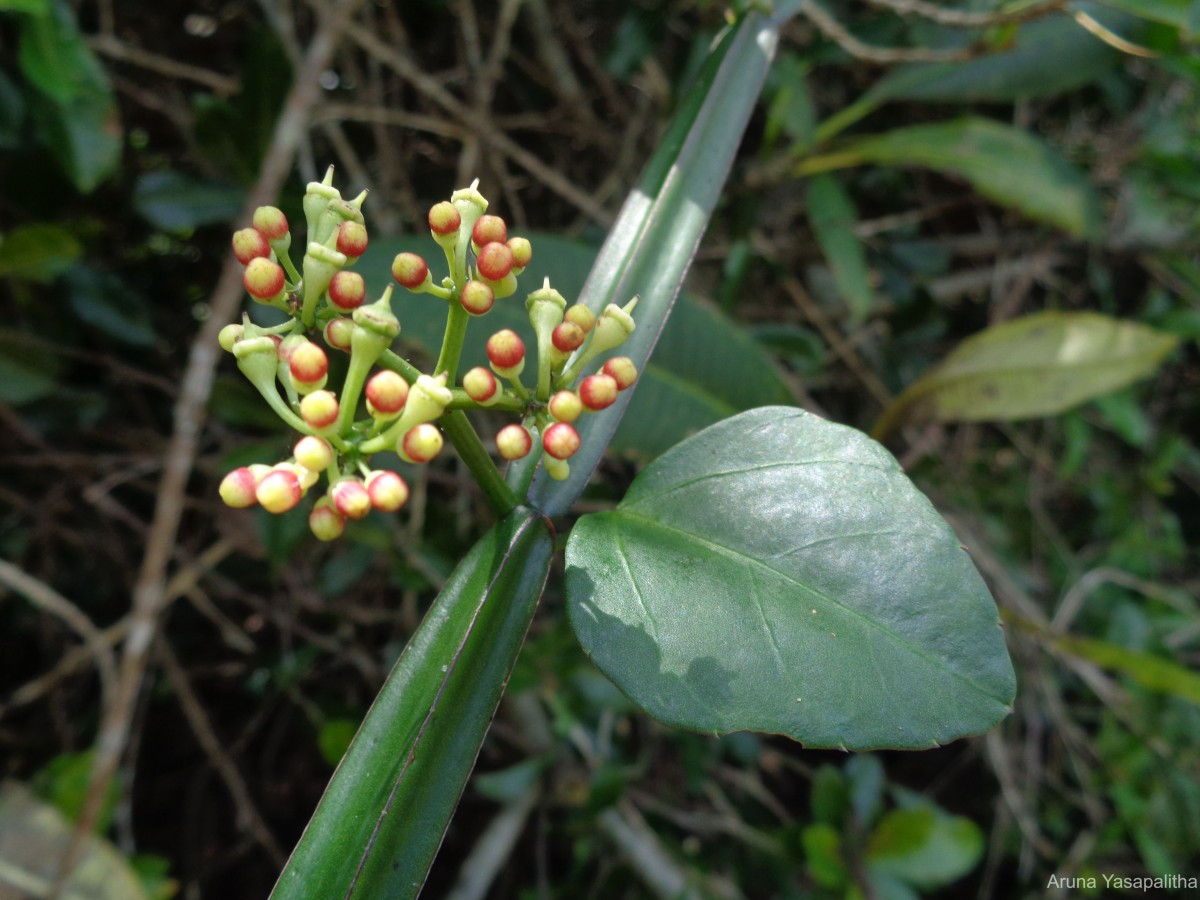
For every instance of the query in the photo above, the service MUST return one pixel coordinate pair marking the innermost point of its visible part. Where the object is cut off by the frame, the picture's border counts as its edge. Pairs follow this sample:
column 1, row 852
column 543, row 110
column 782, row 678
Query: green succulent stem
column 452, row 343
column 471, row 451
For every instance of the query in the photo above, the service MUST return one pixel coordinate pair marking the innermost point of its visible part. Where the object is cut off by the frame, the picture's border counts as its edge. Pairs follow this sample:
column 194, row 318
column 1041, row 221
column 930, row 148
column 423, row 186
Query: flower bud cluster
column 382, row 402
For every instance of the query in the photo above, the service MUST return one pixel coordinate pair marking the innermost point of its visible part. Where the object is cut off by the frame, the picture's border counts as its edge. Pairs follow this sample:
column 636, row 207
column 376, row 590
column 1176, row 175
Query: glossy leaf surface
column 1037, row 365
column 780, row 573
column 383, row 815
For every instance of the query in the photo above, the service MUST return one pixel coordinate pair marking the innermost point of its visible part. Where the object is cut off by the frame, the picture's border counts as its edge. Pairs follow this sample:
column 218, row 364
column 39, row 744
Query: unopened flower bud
column 387, row 490
column 352, row 239
column 522, row 252
column 308, row 364
column 313, row 453
column 420, row 443
column 238, row 488
column 477, row 297
column 319, row 409
column 582, row 316
column 481, row 386
column 386, row 392
column 325, row 522
column 257, row 357
column 229, row 335
column 350, row 498
column 488, row 229
column 561, row 440
column 622, row 370
column 347, row 290
column 506, row 353
column 279, row 490
column 271, row 222
column 494, row 260
column 321, row 263
column 565, row 406
column 337, row 333
column 427, row 399
column 567, row 337
column 514, row 441
column 411, row 271
column 598, row 392
column 249, row 244
column 444, row 219
column 558, row 469
column 264, row 280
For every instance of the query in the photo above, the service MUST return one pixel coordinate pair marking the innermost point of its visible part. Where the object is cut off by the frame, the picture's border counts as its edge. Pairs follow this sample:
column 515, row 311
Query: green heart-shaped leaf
column 780, row 573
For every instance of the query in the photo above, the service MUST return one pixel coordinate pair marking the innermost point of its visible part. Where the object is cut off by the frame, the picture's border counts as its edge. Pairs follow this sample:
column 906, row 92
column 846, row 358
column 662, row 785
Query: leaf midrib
column 732, row 553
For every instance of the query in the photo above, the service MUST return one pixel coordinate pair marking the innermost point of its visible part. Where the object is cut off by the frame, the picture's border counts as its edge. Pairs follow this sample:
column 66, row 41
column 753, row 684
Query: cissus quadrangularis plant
column 774, row 572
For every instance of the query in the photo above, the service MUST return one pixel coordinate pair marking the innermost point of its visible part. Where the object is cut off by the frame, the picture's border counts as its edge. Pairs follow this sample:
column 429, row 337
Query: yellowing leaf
column 1038, row 365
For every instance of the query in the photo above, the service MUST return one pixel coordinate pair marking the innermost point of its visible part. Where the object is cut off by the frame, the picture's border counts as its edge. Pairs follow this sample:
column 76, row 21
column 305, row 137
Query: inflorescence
column 384, row 403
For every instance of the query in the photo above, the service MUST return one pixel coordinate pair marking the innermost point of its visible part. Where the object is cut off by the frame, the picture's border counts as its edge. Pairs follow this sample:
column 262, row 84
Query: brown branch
column 844, row 38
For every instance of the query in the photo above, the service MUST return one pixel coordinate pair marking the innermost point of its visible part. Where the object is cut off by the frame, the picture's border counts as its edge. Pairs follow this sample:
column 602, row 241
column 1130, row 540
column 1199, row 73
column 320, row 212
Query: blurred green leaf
column 925, row 847
column 64, row 782
column 73, row 107
column 1037, row 365
column 27, row 372
column 38, row 252
column 109, row 305
column 1006, row 164
column 12, row 113
column 334, row 736
column 1147, row 669
column 801, row 544
column 830, row 796
column 823, row 853
column 508, row 784
column 832, row 215
column 180, row 203
column 34, row 7
column 1048, row 57
column 1181, row 14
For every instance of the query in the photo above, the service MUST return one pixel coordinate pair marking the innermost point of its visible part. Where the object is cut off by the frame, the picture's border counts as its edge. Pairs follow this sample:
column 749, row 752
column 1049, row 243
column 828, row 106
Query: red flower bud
column 263, row 279
column 488, row 229
column 324, row 521
column 337, row 333
column 581, row 316
column 352, row 239
column 622, row 370
column 598, row 391
column 444, row 218
column 505, row 349
column 522, row 251
column 248, row 244
column 387, row 392
column 238, row 488
column 567, row 337
column 514, row 441
column 350, row 498
column 319, row 409
column 561, row 440
column 387, row 490
column 347, row 290
column 477, row 297
column 480, row 384
column 421, row 443
column 308, row 363
column 279, row 491
column 565, row 406
column 494, row 261
column 410, row 270
column 271, row 222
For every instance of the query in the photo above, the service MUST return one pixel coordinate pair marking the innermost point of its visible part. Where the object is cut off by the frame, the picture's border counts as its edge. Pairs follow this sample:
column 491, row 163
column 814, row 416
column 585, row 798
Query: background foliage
column 910, row 190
